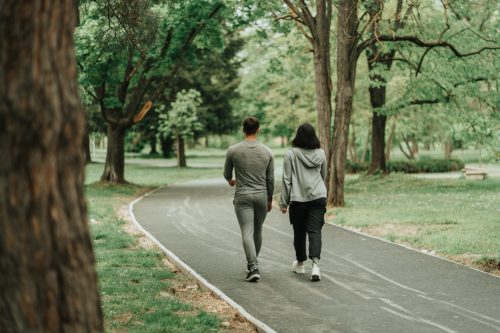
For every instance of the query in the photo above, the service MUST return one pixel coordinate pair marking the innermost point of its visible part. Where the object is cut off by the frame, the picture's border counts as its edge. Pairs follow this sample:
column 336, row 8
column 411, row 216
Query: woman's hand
column 284, row 210
column 231, row 182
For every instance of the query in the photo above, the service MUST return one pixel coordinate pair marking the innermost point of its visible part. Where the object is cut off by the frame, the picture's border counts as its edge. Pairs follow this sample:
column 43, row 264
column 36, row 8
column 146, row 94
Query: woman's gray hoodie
column 304, row 173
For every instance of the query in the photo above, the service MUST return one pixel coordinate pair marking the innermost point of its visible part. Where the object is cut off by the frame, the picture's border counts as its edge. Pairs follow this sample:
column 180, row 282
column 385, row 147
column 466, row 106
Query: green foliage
column 182, row 118
column 423, row 165
column 426, row 165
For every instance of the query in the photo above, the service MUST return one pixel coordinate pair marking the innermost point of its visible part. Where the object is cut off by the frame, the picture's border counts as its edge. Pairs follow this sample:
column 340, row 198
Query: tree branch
column 419, row 42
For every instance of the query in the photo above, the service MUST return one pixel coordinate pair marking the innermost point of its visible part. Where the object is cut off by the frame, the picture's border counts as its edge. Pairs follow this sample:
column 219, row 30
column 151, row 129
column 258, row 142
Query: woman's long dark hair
column 306, row 137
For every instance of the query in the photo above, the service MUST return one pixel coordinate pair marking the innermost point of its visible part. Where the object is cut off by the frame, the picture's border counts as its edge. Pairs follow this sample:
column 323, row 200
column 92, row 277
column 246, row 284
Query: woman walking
column 303, row 193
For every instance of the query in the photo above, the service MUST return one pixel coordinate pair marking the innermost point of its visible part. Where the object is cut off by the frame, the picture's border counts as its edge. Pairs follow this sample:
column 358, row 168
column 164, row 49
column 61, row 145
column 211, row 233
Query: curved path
column 368, row 285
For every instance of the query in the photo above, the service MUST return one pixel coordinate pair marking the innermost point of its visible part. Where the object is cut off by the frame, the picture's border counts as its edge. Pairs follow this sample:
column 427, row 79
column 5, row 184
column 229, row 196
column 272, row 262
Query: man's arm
column 270, row 182
column 228, row 168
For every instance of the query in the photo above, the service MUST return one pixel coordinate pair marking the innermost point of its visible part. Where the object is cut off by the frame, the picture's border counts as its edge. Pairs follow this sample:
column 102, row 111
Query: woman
column 304, row 190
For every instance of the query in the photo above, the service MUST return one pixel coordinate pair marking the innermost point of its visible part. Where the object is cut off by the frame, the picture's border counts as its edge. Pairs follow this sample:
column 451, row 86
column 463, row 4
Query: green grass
column 452, row 217
column 133, row 280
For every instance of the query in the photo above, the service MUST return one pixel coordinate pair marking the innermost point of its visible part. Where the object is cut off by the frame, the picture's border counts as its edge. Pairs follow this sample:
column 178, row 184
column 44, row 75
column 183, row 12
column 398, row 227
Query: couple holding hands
column 303, row 193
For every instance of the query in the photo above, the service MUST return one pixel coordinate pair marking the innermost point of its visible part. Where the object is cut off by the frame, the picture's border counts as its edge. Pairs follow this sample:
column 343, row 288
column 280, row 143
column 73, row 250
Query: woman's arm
column 286, row 183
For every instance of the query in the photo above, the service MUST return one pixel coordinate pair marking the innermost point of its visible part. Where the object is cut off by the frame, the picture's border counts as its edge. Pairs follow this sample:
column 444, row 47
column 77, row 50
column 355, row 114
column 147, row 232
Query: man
column 253, row 165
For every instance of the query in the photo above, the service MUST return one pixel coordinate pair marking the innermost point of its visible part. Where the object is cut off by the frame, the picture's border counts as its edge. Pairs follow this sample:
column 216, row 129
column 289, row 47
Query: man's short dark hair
column 306, row 137
column 250, row 125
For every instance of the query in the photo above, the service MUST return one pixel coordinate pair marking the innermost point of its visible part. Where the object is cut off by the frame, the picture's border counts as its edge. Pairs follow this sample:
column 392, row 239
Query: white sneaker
column 315, row 273
column 299, row 268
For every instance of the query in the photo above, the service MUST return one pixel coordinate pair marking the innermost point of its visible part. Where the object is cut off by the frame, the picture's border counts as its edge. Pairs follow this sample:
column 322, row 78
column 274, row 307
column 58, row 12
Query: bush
column 356, row 167
column 426, row 165
column 423, row 165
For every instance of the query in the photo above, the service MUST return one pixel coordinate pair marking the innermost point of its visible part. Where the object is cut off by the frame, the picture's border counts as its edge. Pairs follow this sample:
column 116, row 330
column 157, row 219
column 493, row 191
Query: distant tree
column 48, row 281
column 181, row 121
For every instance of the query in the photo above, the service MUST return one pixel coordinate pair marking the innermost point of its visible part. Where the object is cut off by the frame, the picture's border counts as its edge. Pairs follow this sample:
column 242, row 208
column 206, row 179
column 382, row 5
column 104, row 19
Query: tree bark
column 390, row 139
column 181, row 151
column 48, row 282
column 378, row 143
column 114, row 168
column 347, row 55
column 323, row 83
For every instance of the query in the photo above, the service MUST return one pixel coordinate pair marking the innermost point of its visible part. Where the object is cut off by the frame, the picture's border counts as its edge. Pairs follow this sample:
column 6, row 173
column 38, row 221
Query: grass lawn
column 457, row 218
column 134, row 283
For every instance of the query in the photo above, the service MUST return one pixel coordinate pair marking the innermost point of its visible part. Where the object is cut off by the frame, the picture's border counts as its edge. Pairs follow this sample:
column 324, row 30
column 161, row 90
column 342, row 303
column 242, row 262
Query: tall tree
column 318, row 35
column 129, row 52
column 48, row 281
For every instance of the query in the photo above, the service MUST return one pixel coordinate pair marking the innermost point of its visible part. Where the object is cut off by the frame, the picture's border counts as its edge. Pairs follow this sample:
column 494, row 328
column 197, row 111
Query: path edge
column 261, row 327
column 361, row 233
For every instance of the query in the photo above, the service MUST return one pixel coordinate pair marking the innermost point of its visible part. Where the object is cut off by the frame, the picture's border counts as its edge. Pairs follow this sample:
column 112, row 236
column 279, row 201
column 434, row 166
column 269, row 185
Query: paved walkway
column 368, row 285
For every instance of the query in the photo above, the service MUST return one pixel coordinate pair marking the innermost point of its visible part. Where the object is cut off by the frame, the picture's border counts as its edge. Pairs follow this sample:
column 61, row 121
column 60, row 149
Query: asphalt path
column 368, row 285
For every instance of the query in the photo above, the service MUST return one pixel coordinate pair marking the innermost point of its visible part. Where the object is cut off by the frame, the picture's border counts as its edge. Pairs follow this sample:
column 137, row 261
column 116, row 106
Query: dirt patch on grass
column 187, row 289
column 488, row 265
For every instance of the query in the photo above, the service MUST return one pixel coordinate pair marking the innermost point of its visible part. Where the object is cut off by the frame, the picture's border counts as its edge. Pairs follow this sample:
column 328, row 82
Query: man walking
column 253, row 165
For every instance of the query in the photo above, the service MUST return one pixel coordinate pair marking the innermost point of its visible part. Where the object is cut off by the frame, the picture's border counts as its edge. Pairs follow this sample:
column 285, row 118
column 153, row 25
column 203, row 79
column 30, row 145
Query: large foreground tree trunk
column 347, row 56
column 48, row 281
column 114, row 168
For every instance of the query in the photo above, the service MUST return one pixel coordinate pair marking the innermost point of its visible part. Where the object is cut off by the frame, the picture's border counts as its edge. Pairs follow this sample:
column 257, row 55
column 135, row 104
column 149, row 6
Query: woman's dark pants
column 307, row 218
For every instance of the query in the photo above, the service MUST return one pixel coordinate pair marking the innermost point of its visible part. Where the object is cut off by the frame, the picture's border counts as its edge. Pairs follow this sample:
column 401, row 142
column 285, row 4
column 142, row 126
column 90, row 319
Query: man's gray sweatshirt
column 253, row 165
column 304, row 173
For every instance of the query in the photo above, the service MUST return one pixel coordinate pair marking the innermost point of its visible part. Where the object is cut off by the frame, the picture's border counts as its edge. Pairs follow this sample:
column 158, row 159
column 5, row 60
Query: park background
column 403, row 94
column 426, row 105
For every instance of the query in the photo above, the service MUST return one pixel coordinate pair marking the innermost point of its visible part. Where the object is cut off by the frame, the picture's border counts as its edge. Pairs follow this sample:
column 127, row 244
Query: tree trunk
column 352, row 148
column 152, row 143
column 86, row 146
column 114, row 167
column 206, row 141
column 414, row 148
column 347, row 56
column 367, row 142
column 390, row 139
column 448, row 148
column 323, row 83
column 48, row 282
column 181, row 152
column 378, row 143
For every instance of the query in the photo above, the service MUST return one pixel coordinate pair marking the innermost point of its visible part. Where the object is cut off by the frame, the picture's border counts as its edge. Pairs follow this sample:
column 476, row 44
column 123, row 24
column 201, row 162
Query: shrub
column 426, row 165
column 423, row 165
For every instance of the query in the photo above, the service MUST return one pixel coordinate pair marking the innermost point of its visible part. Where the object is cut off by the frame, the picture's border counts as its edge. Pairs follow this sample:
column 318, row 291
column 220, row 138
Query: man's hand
column 269, row 205
column 284, row 210
column 231, row 182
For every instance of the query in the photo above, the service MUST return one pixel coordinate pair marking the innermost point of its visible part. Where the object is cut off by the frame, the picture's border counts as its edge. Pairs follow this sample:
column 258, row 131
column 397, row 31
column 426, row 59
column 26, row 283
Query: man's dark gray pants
column 251, row 211
column 307, row 218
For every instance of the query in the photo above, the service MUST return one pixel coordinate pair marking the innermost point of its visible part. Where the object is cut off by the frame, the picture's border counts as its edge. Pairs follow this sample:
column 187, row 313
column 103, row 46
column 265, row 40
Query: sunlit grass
column 452, row 217
column 133, row 282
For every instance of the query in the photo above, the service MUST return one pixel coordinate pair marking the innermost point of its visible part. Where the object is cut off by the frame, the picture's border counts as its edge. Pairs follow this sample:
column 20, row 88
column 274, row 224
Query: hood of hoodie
column 311, row 158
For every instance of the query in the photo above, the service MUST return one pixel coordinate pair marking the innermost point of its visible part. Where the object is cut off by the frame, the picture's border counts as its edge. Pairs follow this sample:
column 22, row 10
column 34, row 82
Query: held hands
column 284, row 210
column 231, row 182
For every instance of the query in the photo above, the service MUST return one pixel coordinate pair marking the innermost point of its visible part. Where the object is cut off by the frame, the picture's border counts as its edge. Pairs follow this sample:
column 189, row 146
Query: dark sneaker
column 253, row 275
